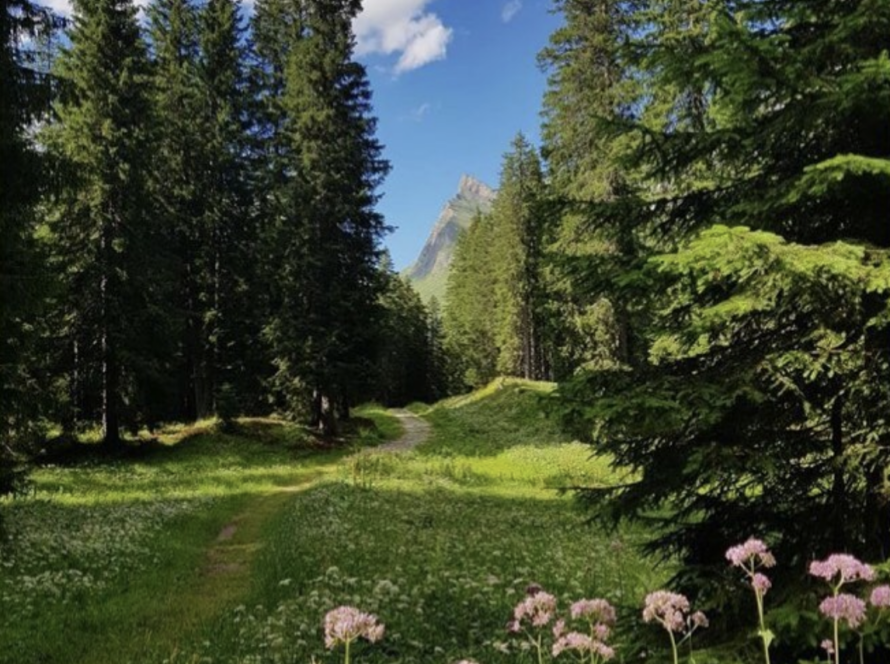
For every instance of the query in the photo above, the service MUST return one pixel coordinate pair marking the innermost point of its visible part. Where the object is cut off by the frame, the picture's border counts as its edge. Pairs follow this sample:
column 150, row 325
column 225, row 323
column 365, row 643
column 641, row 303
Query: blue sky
column 453, row 81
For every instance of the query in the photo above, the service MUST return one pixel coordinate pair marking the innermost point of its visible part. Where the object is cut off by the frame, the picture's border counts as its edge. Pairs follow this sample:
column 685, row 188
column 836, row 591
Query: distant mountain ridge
column 429, row 273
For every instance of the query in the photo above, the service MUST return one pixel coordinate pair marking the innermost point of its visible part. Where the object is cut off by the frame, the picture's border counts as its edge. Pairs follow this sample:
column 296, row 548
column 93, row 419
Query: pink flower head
column 559, row 628
column 667, row 608
column 844, row 607
column 844, row 565
column 602, row 632
column 581, row 643
column 761, row 583
column 699, row 619
column 537, row 609
column 468, row 661
column 346, row 624
column 752, row 554
column 880, row 597
column 828, row 646
column 594, row 610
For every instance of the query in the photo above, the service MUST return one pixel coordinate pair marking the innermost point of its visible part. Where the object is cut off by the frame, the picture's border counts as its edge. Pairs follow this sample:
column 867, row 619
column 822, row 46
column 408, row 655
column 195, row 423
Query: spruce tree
column 23, row 93
column 327, row 237
column 519, row 230
column 592, row 96
column 404, row 361
column 234, row 300
column 178, row 163
column 471, row 302
column 102, row 235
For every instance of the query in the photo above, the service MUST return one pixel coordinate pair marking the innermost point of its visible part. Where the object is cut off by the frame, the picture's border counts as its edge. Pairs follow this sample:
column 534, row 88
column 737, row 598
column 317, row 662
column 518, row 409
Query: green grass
column 439, row 543
column 113, row 560
column 122, row 561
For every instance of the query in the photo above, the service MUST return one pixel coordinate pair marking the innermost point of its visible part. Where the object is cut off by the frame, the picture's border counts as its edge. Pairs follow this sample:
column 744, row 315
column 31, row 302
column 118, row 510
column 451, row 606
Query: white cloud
column 509, row 11
column 64, row 7
column 419, row 113
column 402, row 27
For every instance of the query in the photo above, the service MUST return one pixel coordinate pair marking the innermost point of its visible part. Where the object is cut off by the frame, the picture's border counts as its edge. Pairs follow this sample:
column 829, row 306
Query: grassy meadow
column 231, row 548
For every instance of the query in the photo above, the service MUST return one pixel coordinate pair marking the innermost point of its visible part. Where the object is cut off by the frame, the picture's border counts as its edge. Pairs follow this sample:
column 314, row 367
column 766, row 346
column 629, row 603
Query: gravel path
column 416, row 432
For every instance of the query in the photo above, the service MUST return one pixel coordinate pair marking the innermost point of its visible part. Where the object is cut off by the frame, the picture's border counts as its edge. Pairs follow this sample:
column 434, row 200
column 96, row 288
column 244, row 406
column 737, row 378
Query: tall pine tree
column 23, row 96
column 102, row 231
column 328, row 235
column 235, row 301
column 520, row 233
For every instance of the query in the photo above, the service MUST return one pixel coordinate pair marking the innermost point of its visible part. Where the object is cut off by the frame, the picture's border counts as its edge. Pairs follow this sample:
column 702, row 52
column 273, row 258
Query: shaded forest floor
column 230, row 548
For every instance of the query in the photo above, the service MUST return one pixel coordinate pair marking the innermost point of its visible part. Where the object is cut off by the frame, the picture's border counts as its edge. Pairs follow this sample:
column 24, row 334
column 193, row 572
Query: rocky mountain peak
column 473, row 189
column 429, row 273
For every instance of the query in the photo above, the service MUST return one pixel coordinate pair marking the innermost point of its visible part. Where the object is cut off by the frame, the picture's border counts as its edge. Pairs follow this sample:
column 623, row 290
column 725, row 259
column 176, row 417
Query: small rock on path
column 416, row 432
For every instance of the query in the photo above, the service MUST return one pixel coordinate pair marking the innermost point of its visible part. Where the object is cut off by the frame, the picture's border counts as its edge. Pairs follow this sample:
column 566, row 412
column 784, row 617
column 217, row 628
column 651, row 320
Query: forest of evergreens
column 701, row 263
column 697, row 254
column 188, row 221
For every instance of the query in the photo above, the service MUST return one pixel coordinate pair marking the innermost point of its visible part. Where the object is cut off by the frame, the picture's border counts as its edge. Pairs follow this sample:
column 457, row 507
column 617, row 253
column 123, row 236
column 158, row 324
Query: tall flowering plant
column 751, row 557
column 599, row 617
column 346, row 624
column 532, row 615
column 671, row 611
column 838, row 570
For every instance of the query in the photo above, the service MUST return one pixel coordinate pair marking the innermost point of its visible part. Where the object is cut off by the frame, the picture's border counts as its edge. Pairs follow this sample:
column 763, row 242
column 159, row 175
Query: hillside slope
column 429, row 273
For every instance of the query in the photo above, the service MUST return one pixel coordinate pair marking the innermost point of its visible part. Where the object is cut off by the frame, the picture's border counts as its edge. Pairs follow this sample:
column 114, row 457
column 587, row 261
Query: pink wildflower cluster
column 761, row 583
column 345, row 624
column 880, row 597
column 595, row 611
column 750, row 555
column 844, row 607
column 583, row 644
column 537, row 609
column 844, row 566
column 601, row 617
column 667, row 608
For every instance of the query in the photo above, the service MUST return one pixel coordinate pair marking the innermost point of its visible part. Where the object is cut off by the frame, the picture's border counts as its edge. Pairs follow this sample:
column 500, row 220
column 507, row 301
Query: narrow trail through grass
column 416, row 432
column 230, row 547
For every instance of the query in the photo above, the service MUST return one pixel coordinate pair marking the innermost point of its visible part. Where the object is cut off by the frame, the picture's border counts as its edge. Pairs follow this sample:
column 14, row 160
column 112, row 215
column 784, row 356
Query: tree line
column 703, row 267
column 188, row 223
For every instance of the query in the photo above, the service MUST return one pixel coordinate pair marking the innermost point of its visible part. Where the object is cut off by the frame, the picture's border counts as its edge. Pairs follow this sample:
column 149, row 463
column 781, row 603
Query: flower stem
column 759, row 597
column 837, row 645
column 346, row 661
column 674, row 647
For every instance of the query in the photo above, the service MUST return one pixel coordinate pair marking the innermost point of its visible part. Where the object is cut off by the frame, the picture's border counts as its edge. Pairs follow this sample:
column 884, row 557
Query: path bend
column 416, row 432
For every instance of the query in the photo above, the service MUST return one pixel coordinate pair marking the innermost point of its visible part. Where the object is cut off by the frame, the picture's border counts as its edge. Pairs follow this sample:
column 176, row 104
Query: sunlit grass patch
column 100, row 559
column 442, row 568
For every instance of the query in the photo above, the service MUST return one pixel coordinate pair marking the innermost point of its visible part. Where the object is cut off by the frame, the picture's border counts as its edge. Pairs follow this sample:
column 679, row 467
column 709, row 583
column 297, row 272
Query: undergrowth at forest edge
column 545, row 633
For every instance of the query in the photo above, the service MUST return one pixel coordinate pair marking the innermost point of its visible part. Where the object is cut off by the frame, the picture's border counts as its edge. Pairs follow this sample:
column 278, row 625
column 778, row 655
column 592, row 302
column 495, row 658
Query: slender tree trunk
column 110, row 369
column 343, row 403
column 327, row 416
column 839, row 487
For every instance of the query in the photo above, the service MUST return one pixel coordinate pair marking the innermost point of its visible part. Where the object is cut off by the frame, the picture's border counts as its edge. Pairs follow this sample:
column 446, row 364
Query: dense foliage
column 739, row 194
column 24, row 94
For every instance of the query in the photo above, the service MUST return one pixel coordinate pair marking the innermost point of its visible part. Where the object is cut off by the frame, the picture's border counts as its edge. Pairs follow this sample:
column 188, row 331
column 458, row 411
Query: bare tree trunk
column 110, row 368
column 839, row 487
